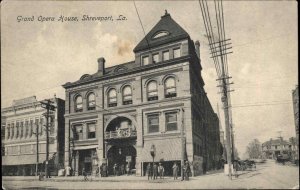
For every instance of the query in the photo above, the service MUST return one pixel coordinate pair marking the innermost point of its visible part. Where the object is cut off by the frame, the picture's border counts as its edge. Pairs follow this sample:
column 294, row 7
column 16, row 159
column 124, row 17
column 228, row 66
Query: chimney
column 197, row 46
column 101, row 66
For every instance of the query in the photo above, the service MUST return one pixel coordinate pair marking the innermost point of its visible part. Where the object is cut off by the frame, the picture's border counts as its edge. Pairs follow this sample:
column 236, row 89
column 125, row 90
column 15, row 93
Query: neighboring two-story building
column 20, row 140
column 274, row 147
column 119, row 114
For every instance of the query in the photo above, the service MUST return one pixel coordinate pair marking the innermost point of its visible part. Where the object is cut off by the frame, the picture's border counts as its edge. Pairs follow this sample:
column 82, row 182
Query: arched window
column 12, row 130
column 152, row 93
column 112, row 97
column 91, row 101
column 170, row 87
column 127, row 95
column 78, row 104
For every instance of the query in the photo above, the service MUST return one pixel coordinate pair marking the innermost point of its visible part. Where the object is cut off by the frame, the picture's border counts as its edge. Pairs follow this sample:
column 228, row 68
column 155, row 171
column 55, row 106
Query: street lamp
column 152, row 152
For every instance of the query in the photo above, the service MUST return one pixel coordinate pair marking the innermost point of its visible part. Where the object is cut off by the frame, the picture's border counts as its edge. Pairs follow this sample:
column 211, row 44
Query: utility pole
column 37, row 148
column 47, row 104
column 225, row 90
column 182, row 143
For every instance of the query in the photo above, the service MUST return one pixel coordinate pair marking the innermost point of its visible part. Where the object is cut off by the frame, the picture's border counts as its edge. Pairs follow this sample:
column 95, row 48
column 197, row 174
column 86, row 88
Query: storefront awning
column 22, row 159
column 166, row 150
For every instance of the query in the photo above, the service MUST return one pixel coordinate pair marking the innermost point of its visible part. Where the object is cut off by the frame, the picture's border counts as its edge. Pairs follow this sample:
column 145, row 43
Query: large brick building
column 118, row 113
column 19, row 140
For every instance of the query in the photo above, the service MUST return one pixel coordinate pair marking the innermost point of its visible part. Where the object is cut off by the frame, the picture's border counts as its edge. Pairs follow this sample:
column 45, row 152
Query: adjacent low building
column 156, row 102
column 22, row 120
column 272, row 148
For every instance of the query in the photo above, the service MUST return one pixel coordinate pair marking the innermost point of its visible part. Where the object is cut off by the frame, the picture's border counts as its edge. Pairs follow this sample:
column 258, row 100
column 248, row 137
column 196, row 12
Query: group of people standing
column 122, row 169
column 158, row 170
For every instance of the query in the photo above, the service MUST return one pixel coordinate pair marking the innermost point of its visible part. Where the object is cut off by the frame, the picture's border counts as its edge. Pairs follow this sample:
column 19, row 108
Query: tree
column 254, row 150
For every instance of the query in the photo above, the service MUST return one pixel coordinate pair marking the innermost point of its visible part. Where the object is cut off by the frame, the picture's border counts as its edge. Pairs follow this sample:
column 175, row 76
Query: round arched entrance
column 120, row 141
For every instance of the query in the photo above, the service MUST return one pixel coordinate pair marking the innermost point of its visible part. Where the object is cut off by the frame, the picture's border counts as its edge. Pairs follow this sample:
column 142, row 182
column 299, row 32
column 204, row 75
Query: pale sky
column 38, row 57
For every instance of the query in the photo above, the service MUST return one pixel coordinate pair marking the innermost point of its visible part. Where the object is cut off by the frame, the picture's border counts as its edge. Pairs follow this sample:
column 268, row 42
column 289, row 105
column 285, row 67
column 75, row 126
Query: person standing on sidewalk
column 84, row 174
column 187, row 170
column 128, row 168
column 155, row 170
column 161, row 171
column 122, row 168
column 175, row 170
column 149, row 171
column 115, row 169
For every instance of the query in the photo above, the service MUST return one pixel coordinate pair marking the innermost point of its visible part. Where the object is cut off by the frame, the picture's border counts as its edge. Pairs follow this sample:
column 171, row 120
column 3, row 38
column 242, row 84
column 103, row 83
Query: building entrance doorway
column 120, row 140
column 121, row 155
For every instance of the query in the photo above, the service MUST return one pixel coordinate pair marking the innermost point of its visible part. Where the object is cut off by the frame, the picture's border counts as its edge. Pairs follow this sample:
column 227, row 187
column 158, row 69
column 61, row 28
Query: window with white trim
column 152, row 92
column 77, row 132
column 170, row 87
column 145, row 60
column 112, row 97
column 127, row 95
column 78, row 104
column 155, row 58
column 91, row 130
column 153, row 123
column 176, row 53
column 171, row 121
column 91, row 101
column 166, row 55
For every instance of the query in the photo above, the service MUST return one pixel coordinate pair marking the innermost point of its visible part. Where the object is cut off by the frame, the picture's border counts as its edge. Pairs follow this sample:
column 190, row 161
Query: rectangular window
column 153, row 123
column 31, row 128
column 155, row 58
column 8, row 131
column 91, row 130
column 22, row 129
column 176, row 53
column 78, row 135
column 171, row 121
column 12, row 130
column 145, row 60
column 17, row 127
column 26, row 128
column 166, row 56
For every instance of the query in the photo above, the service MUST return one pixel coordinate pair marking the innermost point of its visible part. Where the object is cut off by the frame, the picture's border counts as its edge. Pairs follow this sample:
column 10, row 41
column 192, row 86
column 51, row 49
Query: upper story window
column 42, row 125
column 112, row 97
column 8, row 131
column 78, row 104
column 22, row 129
column 145, row 60
column 91, row 101
column 171, row 121
column 170, row 87
column 78, row 134
column 152, row 92
column 153, row 123
column 91, row 130
column 31, row 128
column 26, row 128
column 166, row 55
column 127, row 95
column 12, row 130
column 155, row 58
column 176, row 52
column 17, row 127
column 161, row 34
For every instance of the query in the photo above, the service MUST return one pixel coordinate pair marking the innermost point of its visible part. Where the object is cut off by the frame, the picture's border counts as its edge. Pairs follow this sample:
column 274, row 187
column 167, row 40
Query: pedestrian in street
column 155, row 170
column 68, row 171
column 149, row 171
column 128, row 168
column 175, row 170
column 84, row 174
column 104, row 170
column 187, row 170
column 161, row 171
column 115, row 169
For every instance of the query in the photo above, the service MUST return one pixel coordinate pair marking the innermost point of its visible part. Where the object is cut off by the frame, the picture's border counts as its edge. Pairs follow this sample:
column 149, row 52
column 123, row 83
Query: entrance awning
column 22, row 159
column 166, row 149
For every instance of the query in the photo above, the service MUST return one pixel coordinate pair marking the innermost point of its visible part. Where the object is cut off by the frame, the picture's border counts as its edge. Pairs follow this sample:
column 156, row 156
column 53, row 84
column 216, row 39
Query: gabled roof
column 166, row 25
column 275, row 142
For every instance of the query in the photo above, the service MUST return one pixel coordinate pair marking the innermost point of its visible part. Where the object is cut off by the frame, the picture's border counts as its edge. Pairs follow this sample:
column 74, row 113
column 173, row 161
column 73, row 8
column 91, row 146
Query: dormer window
column 155, row 58
column 145, row 60
column 176, row 53
column 160, row 34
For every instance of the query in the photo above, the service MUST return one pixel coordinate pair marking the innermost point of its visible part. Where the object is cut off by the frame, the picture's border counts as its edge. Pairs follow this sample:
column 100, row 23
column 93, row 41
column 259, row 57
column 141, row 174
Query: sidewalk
column 123, row 178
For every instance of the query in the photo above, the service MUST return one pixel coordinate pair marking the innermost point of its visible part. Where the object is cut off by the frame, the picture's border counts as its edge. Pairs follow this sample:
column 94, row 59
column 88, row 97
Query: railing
column 121, row 133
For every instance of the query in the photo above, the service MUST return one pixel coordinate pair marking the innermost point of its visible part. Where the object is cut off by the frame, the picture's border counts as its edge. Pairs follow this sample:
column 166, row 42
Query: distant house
column 274, row 147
